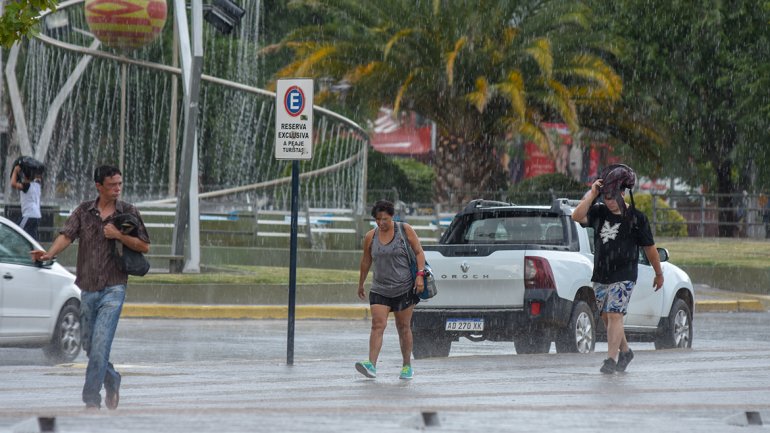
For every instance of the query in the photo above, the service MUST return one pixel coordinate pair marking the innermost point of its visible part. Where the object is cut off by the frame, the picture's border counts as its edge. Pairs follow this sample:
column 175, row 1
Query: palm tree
column 479, row 69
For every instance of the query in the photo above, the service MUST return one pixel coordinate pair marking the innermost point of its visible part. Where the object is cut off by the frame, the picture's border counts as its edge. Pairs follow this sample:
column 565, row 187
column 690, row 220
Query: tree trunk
column 465, row 170
column 725, row 201
column 725, row 136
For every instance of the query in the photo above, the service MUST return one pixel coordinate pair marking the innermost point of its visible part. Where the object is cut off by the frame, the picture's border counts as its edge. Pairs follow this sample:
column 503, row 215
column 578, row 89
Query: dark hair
column 105, row 171
column 383, row 206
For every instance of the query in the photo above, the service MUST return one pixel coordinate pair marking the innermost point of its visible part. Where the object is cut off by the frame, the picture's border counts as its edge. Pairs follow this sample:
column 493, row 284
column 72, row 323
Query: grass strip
column 252, row 275
column 714, row 252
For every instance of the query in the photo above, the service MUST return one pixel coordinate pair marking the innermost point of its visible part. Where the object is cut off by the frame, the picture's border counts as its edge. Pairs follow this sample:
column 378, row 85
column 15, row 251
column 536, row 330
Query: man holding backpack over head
column 619, row 232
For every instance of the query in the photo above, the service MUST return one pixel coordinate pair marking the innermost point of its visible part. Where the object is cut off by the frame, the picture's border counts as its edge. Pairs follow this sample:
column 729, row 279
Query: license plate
column 464, row 325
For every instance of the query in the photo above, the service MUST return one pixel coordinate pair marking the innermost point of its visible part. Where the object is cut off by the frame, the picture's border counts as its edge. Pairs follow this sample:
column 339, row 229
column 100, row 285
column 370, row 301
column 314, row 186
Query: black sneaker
column 609, row 366
column 113, row 394
column 624, row 358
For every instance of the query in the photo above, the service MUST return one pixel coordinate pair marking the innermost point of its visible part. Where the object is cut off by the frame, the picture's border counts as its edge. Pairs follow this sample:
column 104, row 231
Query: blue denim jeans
column 99, row 314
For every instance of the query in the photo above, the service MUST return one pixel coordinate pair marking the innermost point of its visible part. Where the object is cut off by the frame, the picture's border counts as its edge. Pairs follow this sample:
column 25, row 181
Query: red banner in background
column 402, row 135
column 537, row 161
column 569, row 159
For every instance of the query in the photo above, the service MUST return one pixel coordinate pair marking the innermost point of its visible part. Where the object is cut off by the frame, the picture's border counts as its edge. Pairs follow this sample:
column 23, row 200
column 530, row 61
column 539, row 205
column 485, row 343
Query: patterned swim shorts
column 613, row 297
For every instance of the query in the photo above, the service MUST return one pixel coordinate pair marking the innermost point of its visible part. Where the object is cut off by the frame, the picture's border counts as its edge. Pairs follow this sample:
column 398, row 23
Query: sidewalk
column 712, row 299
column 708, row 299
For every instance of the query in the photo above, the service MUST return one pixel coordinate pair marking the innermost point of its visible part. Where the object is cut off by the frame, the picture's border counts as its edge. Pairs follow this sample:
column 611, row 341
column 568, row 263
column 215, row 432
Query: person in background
column 393, row 288
column 619, row 232
column 100, row 279
column 29, row 193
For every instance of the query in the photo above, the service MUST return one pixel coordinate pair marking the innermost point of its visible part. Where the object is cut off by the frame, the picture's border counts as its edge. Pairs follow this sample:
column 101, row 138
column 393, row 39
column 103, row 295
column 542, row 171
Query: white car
column 39, row 302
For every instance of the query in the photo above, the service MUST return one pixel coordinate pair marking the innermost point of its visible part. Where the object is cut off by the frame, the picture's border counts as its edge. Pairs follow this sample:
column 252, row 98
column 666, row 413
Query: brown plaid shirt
column 97, row 268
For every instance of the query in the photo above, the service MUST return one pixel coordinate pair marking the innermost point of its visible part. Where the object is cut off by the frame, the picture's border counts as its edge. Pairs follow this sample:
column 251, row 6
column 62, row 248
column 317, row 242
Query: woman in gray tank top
column 393, row 288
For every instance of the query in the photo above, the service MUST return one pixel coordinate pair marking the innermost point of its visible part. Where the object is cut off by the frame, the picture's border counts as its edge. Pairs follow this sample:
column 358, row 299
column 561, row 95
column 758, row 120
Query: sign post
column 293, row 141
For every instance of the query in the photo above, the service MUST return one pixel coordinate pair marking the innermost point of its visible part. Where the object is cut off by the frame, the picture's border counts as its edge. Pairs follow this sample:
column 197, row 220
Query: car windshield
column 515, row 228
column 14, row 248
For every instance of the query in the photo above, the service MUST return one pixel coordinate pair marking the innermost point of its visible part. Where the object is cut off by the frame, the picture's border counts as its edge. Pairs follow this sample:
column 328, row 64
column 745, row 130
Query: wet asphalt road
column 231, row 376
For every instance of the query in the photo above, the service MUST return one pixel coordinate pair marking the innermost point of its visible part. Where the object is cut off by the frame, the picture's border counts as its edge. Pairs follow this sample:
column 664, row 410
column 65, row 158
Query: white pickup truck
column 523, row 274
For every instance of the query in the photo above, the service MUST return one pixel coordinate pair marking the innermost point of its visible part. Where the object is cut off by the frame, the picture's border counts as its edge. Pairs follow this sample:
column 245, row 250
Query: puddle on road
column 74, row 369
column 122, row 373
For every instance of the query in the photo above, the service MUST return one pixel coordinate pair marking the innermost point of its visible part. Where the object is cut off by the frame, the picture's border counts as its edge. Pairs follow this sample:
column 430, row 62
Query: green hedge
column 670, row 222
column 410, row 179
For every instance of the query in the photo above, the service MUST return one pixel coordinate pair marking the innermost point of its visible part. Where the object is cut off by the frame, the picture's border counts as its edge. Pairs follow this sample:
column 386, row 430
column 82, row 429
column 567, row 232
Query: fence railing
column 746, row 215
column 343, row 229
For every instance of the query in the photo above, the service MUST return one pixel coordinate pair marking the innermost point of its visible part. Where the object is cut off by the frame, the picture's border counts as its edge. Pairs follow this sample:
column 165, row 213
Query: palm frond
column 591, row 95
column 509, row 35
column 361, row 71
column 560, row 99
column 451, row 56
column 308, row 64
column 596, row 70
column 540, row 52
column 402, row 91
column 401, row 34
column 513, row 90
column 536, row 134
column 480, row 97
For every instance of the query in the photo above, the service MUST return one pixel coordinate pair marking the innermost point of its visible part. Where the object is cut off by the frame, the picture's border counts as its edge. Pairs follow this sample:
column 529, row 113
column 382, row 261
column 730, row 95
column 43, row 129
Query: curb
column 343, row 312
column 749, row 305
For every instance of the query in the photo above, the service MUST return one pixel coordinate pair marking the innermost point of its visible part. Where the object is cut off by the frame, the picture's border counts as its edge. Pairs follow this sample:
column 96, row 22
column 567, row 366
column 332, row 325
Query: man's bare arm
column 580, row 214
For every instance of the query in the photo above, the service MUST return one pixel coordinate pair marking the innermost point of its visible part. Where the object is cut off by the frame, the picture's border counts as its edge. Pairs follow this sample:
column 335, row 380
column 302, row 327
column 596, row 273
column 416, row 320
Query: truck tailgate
column 474, row 278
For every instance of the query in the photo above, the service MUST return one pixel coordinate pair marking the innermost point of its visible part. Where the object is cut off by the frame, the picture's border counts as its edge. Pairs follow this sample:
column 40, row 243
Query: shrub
column 420, row 178
column 670, row 222
column 411, row 179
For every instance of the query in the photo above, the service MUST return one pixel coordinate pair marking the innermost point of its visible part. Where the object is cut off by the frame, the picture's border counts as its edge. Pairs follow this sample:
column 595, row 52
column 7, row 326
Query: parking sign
column 294, row 119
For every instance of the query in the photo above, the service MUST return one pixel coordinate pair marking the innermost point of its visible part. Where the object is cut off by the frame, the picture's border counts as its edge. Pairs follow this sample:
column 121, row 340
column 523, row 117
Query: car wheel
column 579, row 336
column 677, row 331
column 65, row 343
column 535, row 341
column 430, row 345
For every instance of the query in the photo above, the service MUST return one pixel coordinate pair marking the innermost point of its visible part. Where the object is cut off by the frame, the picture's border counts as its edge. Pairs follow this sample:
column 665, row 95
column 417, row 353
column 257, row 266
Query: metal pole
column 293, row 260
column 122, row 144
column 172, row 127
column 361, row 227
column 702, row 228
column 654, row 203
column 192, row 64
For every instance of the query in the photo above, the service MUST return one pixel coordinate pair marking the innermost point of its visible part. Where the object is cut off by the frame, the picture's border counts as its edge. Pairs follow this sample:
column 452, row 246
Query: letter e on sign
column 294, row 119
column 294, row 101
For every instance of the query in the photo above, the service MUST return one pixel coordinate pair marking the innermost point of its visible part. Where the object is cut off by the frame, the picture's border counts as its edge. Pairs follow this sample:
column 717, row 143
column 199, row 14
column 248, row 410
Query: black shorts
column 398, row 303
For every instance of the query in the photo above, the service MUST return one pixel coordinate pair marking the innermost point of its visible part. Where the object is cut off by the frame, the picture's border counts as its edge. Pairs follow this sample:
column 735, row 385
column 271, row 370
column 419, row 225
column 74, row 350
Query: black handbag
column 429, row 290
column 129, row 261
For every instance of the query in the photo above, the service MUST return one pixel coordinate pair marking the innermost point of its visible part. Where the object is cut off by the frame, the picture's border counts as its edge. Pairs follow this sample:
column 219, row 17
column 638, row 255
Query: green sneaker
column 406, row 373
column 367, row 369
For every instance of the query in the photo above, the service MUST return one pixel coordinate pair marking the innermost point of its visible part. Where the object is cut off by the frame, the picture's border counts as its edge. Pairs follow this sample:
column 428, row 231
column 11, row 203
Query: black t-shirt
column 616, row 243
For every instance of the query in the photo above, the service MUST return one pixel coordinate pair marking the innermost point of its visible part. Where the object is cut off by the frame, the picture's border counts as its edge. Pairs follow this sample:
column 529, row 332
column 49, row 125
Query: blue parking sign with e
column 294, row 101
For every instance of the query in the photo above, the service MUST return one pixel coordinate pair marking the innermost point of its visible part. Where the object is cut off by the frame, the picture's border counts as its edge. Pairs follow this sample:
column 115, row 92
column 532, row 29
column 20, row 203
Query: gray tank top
column 392, row 276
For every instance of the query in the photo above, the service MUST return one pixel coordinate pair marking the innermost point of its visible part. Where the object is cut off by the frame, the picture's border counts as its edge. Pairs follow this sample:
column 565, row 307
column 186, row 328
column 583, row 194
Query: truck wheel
column 430, row 345
column 677, row 330
column 65, row 343
column 579, row 336
column 535, row 341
